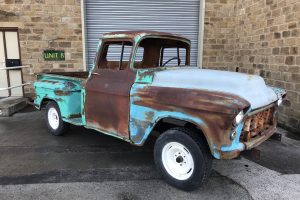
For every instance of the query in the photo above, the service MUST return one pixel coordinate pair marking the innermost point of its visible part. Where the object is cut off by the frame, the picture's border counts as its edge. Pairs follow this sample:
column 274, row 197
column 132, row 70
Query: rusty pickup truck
column 142, row 84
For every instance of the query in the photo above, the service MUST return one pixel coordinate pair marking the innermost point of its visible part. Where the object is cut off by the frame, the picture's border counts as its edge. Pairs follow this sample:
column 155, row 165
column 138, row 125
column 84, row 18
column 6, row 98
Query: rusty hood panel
column 214, row 112
column 252, row 88
column 210, row 99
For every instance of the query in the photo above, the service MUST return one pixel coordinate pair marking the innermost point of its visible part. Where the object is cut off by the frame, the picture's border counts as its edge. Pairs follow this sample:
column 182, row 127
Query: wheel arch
column 167, row 123
column 164, row 123
column 44, row 101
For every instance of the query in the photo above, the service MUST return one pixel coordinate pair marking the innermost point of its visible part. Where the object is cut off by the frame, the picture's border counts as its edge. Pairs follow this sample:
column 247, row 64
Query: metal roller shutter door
column 178, row 17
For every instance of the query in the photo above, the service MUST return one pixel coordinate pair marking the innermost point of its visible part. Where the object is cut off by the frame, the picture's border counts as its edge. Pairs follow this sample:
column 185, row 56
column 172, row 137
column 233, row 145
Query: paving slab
column 11, row 105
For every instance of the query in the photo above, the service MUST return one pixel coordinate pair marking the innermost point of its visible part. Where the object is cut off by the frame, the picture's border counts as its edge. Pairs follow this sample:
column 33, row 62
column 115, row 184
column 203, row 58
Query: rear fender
column 67, row 97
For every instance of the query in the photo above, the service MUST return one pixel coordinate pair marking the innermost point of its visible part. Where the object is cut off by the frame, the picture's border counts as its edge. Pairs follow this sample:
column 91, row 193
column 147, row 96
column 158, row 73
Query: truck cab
column 142, row 84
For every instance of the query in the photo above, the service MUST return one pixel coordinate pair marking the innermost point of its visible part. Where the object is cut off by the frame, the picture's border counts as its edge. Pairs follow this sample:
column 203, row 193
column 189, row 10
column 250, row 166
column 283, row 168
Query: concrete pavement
column 87, row 165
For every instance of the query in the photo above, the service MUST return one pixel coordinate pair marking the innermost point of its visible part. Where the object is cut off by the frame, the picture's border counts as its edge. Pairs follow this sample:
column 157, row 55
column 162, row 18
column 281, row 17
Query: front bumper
column 256, row 128
column 229, row 154
column 263, row 137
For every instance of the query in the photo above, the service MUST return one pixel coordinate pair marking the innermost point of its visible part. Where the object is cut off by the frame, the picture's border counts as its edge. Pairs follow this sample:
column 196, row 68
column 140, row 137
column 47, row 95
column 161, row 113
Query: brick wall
column 259, row 37
column 45, row 24
column 219, row 34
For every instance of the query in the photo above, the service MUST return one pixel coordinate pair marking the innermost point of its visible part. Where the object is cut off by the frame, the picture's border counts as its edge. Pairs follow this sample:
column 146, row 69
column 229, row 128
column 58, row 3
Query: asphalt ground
column 85, row 164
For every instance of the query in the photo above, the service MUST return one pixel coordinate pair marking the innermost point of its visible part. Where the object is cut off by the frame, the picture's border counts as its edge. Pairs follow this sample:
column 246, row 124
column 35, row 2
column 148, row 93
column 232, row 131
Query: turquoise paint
column 143, row 119
column 215, row 152
column 144, row 76
column 236, row 144
column 69, row 99
column 83, row 95
column 216, row 155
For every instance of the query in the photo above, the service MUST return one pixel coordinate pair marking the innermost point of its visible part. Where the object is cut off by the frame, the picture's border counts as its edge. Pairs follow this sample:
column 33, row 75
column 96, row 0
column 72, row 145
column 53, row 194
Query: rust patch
column 217, row 110
column 72, row 74
column 62, row 93
column 108, row 100
column 133, row 34
column 256, row 125
column 49, row 81
column 75, row 116
column 229, row 155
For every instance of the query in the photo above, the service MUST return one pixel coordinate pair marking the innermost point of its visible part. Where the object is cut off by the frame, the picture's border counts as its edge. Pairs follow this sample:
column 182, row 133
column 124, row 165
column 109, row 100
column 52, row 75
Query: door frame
column 11, row 29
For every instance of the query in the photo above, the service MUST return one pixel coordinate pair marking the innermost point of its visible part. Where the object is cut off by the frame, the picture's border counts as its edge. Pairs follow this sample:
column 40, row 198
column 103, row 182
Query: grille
column 255, row 124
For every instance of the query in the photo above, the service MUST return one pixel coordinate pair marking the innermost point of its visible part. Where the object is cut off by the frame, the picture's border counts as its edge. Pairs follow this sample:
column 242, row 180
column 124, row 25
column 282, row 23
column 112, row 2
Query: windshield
column 161, row 52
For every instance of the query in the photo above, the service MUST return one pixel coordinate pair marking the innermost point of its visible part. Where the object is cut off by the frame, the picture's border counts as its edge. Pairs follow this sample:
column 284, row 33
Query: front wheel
column 54, row 121
column 183, row 158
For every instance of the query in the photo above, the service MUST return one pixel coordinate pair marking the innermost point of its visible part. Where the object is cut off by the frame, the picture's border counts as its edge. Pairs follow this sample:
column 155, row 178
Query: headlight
column 279, row 102
column 239, row 118
column 233, row 135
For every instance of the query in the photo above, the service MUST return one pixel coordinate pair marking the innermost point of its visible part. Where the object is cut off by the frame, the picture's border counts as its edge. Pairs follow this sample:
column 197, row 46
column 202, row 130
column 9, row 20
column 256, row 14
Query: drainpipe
column 201, row 33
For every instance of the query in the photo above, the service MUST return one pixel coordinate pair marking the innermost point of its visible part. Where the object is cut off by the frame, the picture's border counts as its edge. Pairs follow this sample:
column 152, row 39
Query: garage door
column 179, row 17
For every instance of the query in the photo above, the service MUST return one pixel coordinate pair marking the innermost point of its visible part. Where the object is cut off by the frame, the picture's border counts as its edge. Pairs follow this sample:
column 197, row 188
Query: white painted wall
column 3, row 75
column 12, row 50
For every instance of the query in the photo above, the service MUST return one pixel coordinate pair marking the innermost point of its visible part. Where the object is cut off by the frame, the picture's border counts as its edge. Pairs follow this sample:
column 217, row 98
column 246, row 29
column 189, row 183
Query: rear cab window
column 161, row 52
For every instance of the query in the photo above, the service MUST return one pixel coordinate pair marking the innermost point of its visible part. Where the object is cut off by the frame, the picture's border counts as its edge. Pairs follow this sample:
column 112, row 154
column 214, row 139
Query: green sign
column 54, row 55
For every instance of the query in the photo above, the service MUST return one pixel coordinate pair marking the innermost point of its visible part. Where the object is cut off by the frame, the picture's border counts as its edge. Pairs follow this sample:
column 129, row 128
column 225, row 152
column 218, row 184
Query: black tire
column 62, row 127
column 197, row 147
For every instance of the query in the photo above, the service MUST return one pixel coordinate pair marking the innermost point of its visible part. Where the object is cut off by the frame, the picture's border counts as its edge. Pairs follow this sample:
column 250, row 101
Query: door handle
column 95, row 73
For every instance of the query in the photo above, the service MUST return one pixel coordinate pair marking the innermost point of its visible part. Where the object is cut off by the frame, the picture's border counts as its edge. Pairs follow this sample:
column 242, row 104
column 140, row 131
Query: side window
column 113, row 52
column 173, row 57
column 116, row 56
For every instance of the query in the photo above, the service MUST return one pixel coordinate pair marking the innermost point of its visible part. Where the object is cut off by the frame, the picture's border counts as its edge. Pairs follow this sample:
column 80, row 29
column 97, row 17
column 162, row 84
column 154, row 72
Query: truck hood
column 249, row 87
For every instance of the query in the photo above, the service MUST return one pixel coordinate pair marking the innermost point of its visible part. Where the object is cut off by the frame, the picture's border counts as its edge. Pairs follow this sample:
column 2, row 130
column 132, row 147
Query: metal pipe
column 12, row 87
column 16, row 67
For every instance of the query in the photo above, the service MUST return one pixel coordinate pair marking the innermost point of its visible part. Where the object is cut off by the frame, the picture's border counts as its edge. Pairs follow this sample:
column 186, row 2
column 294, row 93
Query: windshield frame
column 136, row 46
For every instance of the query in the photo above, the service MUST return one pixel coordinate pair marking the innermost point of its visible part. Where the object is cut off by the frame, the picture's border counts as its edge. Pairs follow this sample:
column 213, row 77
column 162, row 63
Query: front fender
column 212, row 112
column 143, row 120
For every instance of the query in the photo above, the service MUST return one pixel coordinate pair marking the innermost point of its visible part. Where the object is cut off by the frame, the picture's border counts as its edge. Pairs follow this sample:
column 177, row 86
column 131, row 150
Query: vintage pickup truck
column 141, row 84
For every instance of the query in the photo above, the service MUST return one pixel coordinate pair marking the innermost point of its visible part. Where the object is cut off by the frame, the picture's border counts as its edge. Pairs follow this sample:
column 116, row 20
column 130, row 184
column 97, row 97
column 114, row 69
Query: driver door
column 108, row 90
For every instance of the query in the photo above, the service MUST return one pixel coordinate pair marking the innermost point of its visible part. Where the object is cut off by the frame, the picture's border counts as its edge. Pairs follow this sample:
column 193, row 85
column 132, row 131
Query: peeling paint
column 128, row 103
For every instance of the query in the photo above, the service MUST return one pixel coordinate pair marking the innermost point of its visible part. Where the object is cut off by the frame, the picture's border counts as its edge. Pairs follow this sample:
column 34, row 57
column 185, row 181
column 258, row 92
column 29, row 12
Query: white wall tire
column 54, row 122
column 183, row 158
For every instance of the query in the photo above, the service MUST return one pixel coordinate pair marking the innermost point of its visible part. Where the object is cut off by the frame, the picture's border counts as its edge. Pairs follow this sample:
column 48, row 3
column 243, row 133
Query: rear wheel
column 54, row 121
column 183, row 158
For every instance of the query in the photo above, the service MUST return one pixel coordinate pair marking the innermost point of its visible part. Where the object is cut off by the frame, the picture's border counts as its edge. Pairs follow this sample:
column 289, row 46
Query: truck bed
column 66, row 89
